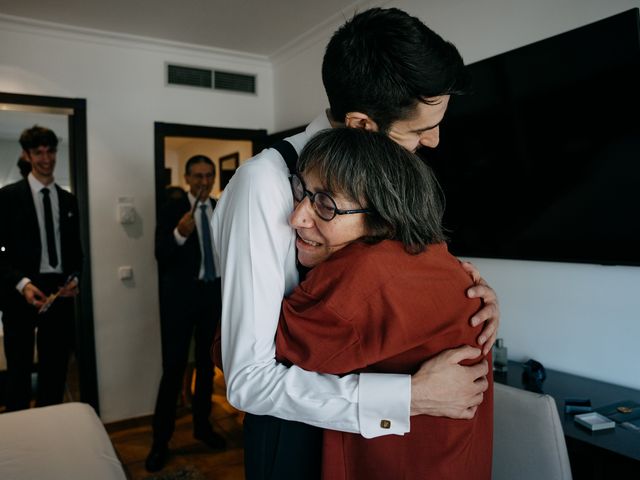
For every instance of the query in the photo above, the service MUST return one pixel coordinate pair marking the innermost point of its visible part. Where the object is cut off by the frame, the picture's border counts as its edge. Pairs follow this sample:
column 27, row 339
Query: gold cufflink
column 386, row 424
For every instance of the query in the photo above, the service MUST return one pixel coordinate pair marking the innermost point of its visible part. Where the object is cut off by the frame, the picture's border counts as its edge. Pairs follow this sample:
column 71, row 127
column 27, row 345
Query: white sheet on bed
column 61, row 442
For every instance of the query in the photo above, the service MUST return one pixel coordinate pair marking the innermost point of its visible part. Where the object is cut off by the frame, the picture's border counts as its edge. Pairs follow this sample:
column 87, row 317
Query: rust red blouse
column 375, row 308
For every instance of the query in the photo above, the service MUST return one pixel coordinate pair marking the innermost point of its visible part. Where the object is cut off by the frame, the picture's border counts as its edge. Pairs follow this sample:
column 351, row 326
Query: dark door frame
column 163, row 130
column 85, row 341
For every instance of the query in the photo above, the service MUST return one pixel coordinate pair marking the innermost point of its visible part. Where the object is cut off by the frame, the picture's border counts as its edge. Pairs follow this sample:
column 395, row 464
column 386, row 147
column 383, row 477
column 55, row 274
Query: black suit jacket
column 177, row 262
column 20, row 247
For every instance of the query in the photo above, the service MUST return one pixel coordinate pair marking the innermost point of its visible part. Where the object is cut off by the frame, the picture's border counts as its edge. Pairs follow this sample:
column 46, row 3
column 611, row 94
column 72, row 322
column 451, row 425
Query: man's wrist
column 178, row 237
column 420, row 402
column 21, row 284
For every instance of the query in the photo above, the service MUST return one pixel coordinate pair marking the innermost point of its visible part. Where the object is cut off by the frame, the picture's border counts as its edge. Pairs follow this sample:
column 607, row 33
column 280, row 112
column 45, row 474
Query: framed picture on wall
column 228, row 165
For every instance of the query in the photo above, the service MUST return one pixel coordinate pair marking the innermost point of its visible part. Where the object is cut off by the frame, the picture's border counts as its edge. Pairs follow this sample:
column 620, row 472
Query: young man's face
column 422, row 129
column 43, row 161
column 200, row 180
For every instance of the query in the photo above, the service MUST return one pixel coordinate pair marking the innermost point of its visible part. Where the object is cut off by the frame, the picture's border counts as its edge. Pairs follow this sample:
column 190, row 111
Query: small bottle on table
column 500, row 363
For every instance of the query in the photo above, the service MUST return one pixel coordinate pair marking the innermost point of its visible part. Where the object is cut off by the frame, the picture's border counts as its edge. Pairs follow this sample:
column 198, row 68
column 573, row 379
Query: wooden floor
column 190, row 459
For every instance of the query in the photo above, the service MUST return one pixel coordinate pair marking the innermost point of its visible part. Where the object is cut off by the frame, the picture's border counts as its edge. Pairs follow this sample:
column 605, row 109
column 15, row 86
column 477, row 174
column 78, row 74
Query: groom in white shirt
column 381, row 71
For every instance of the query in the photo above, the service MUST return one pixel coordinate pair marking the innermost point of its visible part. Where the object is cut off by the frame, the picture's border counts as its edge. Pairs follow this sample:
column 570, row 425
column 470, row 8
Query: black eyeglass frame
column 312, row 196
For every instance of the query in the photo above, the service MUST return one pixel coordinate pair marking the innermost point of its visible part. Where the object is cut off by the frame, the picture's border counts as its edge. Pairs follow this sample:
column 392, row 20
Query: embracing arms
column 255, row 248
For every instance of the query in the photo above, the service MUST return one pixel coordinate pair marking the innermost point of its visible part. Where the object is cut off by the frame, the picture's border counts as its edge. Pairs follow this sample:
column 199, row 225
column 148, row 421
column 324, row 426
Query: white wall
column 123, row 81
column 577, row 318
column 583, row 319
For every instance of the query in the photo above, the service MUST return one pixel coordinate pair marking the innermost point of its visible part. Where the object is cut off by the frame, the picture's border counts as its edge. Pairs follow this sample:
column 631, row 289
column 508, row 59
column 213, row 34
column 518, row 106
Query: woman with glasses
column 383, row 295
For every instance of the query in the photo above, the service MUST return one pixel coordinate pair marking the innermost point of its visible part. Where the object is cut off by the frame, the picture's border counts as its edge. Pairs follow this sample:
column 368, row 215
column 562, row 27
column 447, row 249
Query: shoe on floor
column 211, row 439
column 157, row 458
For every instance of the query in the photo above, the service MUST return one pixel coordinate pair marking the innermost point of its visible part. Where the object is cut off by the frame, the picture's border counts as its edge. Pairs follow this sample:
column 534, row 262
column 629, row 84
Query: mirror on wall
column 67, row 118
column 12, row 123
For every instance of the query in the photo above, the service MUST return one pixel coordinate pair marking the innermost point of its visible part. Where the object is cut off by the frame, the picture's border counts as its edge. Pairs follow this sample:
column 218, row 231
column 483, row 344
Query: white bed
column 61, row 442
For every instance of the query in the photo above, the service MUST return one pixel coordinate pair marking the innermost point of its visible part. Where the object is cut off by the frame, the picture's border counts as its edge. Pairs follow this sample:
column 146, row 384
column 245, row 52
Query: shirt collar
column 321, row 122
column 36, row 185
column 192, row 200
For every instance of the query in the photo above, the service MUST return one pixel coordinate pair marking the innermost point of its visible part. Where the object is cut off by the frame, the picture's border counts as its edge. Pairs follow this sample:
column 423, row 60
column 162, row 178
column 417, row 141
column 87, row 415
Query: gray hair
column 369, row 168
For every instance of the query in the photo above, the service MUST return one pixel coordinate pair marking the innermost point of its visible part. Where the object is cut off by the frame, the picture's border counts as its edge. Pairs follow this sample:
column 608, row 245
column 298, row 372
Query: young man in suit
column 189, row 305
column 40, row 255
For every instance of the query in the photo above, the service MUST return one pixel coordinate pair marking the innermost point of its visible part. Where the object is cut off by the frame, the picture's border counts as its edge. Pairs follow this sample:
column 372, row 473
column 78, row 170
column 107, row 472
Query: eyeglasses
column 202, row 176
column 323, row 204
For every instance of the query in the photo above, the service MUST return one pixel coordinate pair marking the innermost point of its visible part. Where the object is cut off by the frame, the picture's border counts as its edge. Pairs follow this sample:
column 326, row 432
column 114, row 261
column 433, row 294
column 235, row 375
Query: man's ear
column 360, row 120
column 25, row 156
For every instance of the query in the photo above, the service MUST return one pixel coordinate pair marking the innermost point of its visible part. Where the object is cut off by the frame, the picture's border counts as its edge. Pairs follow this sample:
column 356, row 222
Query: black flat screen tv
column 541, row 161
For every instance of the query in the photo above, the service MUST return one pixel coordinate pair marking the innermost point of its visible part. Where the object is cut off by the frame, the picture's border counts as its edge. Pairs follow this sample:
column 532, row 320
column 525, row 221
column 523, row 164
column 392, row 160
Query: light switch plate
column 126, row 213
column 125, row 272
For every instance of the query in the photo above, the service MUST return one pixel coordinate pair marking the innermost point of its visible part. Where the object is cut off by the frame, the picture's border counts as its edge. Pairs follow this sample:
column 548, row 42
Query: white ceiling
column 261, row 27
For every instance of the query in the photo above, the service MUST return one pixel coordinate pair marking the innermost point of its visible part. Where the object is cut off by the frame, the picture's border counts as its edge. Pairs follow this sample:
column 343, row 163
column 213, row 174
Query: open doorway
column 228, row 148
column 175, row 144
column 67, row 118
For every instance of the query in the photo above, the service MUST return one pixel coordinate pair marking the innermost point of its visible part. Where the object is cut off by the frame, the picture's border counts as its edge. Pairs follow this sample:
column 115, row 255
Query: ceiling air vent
column 190, row 76
column 236, row 82
column 206, row 78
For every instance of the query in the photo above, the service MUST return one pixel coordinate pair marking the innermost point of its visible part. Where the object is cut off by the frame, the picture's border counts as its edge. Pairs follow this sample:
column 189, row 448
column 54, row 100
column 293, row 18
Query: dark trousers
column 276, row 449
column 188, row 309
column 54, row 341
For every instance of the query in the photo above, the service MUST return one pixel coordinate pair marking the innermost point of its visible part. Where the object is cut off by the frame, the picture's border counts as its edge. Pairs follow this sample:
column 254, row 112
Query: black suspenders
column 291, row 158
column 288, row 153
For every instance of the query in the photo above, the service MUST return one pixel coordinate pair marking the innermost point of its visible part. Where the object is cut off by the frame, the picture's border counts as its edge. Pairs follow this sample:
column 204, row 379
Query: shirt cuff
column 179, row 238
column 22, row 283
column 384, row 400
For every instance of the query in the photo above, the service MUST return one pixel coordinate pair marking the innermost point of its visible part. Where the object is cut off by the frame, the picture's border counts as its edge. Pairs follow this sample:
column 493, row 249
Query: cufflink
column 386, row 424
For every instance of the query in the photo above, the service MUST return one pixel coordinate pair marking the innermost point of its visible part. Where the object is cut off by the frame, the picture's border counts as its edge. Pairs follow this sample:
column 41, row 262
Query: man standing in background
column 40, row 258
column 189, row 305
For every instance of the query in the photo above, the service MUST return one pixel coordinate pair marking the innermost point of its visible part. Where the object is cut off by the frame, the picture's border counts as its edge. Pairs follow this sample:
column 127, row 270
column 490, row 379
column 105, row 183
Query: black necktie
column 48, row 228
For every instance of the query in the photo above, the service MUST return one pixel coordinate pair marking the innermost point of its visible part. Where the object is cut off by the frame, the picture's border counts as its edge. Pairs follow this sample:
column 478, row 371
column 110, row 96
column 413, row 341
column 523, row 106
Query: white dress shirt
column 255, row 248
column 180, row 240
column 36, row 187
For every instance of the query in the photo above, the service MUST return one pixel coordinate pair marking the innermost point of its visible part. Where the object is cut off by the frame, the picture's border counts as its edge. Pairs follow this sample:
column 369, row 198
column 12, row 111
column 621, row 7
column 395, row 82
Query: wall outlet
column 125, row 272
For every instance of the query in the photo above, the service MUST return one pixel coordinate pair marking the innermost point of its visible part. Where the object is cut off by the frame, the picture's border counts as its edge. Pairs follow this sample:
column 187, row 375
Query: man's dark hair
column 198, row 159
column 24, row 167
column 38, row 136
column 374, row 171
column 383, row 62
